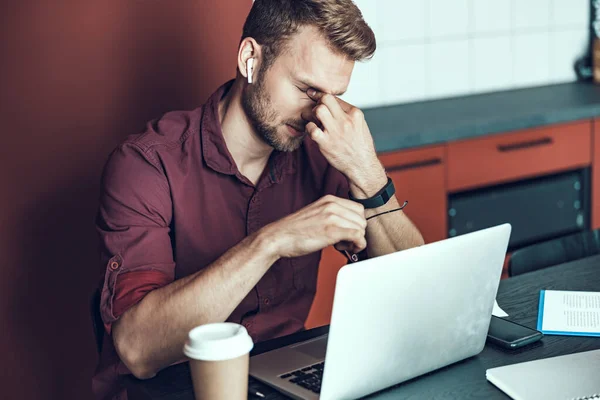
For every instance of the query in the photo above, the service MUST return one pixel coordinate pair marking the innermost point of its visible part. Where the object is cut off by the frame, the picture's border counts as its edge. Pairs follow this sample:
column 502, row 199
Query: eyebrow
column 305, row 82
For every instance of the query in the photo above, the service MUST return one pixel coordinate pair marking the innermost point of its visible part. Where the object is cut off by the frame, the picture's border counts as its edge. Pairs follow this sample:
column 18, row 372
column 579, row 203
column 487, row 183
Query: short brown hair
column 273, row 22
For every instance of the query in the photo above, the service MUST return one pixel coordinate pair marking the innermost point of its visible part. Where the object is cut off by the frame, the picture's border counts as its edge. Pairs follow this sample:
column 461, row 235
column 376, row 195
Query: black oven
column 538, row 209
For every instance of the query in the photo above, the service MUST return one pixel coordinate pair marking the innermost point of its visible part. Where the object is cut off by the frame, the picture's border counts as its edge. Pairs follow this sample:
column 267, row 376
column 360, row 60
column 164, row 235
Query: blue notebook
column 570, row 313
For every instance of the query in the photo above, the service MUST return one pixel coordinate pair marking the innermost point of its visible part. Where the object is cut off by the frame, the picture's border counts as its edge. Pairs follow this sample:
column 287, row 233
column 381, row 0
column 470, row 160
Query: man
column 220, row 214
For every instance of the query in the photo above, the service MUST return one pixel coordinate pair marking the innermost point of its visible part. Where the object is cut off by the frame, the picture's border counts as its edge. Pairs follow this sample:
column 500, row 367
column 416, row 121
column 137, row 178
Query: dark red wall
column 75, row 78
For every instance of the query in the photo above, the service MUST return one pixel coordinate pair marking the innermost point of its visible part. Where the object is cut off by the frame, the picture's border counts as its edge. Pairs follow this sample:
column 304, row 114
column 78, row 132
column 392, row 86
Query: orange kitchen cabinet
column 419, row 177
column 505, row 266
column 596, row 176
column 503, row 158
column 320, row 312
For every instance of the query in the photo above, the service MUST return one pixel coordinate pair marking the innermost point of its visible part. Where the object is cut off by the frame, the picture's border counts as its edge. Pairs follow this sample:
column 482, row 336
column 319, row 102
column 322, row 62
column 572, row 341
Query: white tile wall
column 491, row 63
column 491, row 16
column 403, row 73
column 570, row 13
column 447, row 17
column 450, row 68
column 429, row 49
column 530, row 14
column 402, row 20
column 529, row 49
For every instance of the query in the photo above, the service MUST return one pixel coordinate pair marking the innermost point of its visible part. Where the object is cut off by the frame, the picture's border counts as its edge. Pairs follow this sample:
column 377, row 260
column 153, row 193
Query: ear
column 249, row 48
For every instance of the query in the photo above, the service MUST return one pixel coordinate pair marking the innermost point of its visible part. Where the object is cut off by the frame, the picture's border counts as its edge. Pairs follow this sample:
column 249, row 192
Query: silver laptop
column 396, row 317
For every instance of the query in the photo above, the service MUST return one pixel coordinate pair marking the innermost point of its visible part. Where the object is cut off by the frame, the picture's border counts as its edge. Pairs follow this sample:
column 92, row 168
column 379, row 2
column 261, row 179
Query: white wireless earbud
column 250, row 69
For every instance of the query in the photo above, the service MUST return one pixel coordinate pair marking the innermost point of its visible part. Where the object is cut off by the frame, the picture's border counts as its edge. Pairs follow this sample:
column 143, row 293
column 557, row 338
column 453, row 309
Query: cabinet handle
column 416, row 164
column 525, row 145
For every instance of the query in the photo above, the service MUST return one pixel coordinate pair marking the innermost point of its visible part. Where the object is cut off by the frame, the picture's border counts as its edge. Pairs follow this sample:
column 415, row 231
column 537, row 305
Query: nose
column 307, row 113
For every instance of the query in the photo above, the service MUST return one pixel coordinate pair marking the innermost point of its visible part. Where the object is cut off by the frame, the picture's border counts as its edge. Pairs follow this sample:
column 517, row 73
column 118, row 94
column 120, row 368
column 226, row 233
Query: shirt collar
column 214, row 149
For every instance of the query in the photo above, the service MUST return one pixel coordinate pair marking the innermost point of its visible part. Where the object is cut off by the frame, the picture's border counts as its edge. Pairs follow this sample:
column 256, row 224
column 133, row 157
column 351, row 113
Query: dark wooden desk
column 465, row 380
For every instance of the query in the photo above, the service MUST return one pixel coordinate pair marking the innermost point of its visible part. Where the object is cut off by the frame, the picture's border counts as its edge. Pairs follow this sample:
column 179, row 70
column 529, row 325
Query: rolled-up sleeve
column 133, row 223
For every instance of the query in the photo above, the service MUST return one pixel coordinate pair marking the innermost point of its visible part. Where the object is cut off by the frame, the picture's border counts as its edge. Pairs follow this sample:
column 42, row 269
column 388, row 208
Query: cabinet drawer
column 406, row 160
column 502, row 158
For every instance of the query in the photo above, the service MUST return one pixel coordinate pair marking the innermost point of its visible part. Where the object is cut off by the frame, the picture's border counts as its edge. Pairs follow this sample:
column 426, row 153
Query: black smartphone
column 511, row 335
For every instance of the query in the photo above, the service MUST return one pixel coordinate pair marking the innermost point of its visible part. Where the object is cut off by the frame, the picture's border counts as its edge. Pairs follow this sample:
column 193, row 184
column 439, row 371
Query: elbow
column 132, row 355
column 139, row 367
column 143, row 373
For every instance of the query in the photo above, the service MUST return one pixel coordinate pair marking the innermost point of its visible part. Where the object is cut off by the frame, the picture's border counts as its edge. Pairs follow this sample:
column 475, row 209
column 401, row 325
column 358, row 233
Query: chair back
column 553, row 252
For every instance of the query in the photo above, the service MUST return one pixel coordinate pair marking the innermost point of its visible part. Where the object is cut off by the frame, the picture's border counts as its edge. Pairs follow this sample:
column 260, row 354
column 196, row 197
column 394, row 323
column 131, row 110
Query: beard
column 259, row 109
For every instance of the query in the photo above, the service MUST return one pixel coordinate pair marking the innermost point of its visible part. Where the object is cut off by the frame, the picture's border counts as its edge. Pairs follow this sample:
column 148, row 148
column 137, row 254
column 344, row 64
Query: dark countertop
column 440, row 121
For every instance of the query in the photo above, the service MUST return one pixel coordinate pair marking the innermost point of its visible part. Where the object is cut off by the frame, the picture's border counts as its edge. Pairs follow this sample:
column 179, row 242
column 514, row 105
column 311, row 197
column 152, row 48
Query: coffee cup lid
column 217, row 342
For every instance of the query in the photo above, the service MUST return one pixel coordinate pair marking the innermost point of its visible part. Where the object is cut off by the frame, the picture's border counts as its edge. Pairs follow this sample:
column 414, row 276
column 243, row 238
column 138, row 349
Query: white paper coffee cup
column 219, row 359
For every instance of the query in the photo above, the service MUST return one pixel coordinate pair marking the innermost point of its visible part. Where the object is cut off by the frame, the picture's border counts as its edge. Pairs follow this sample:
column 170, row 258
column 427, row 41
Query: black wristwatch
column 380, row 198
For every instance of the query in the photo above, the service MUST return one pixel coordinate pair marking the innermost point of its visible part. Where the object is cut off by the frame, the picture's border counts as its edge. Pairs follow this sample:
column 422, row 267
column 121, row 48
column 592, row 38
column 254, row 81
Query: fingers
column 331, row 206
column 324, row 115
column 331, row 116
column 346, row 107
column 350, row 215
column 315, row 133
column 341, row 221
column 351, row 240
column 319, row 113
column 334, row 103
column 349, row 204
column 327, row 221
column 344, row 224
column 344, row 221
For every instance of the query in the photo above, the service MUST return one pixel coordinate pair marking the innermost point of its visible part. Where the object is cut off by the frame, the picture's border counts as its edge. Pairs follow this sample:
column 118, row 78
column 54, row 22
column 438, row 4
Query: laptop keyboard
column 308, row 377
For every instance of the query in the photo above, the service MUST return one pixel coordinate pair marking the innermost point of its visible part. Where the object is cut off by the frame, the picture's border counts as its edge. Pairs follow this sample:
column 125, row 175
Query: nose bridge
column 307, row 110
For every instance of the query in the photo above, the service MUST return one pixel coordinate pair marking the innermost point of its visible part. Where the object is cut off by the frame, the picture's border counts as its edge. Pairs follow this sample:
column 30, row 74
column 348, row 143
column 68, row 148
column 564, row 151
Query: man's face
column 275, row 102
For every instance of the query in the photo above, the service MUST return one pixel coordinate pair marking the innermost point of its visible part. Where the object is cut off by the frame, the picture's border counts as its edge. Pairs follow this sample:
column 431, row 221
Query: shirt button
column 254, row 199
column 247, row 324
column 267, row 301
column 114, row 265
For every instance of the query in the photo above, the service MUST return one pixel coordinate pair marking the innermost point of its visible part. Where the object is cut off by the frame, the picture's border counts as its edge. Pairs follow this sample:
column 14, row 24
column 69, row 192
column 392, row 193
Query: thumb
column 315, row 133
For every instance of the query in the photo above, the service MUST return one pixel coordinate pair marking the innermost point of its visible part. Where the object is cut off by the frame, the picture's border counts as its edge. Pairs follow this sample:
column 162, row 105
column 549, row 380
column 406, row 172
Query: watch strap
column 380, row 198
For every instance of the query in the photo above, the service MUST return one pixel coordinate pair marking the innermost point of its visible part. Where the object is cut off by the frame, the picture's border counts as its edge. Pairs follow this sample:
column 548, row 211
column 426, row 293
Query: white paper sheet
column 570, row 312
column 498, row 312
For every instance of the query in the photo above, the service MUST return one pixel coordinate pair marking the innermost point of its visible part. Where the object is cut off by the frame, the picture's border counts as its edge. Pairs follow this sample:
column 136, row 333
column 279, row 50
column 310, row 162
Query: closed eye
column 305, row 96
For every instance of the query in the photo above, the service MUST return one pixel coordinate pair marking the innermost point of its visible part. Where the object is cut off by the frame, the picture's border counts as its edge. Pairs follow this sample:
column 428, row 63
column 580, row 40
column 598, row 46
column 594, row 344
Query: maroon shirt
column 173, row 201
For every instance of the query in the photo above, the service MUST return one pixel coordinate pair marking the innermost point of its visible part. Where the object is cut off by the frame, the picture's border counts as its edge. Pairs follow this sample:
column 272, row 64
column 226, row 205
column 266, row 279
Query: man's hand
column 328, row 221
column 342, row 134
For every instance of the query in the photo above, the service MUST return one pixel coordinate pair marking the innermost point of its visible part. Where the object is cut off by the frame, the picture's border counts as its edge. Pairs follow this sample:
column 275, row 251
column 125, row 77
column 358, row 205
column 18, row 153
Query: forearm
column 386, row 233
column 150, row 336
column 390, row 232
